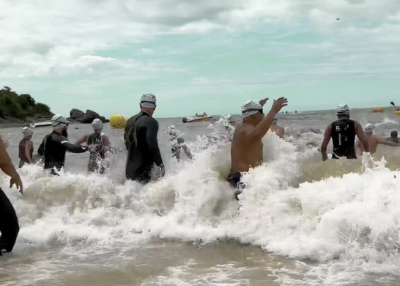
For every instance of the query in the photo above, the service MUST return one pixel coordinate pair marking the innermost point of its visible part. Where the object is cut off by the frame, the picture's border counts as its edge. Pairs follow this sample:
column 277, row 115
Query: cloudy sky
column 203, row 55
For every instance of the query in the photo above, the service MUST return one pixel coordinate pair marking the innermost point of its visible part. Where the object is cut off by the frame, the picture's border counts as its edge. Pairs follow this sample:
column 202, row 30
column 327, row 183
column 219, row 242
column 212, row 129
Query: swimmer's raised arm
column 325, row 142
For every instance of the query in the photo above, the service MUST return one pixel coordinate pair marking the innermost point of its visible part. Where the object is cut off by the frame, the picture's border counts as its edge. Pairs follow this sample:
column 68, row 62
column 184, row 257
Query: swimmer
column 141, row 142
column 9, row 226
column 26, row 148
column 373, row 140
column 393, row 136
column 177, row 145
column 343, row 132
column 98, row 145
column 279, row 131
column 56, row 144
column 247, row 146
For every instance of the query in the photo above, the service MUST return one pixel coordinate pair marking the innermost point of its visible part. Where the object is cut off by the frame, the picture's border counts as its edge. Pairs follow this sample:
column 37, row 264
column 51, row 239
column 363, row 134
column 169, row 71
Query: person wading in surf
column 141, row 142
column 56, row 144
column 279, row 131
column 98, row 145
column 247, row 146
column 343, row 132
column 373, row 140
column 9, row 226
column 25, row 148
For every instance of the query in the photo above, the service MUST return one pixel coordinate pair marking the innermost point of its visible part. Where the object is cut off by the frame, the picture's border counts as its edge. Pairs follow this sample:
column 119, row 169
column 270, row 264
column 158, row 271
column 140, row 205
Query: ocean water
column 300, row 221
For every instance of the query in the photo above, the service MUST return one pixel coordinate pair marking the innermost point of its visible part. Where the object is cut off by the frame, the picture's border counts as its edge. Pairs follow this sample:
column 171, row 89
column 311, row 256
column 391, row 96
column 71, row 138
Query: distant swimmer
column 177, row 143
column 25, row 148
column 373, row 140
column 98, row 145
column 393, row 136
column 343, row 132
column 247, row 146
column 56, row 144
column 141, row 142
column 9, row 226
column 279, row 131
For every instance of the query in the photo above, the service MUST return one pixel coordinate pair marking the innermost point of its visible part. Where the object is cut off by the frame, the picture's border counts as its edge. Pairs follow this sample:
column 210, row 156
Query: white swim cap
column 343, row 109
column 369, row 128
column 250, row 108
column 97, row 124
column 58, row 122
column 148, row 100
column 27, row 132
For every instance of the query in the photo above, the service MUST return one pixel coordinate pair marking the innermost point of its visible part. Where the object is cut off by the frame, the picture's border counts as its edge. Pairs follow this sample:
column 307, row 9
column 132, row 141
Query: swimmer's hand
column 279, row 104
column 16, row 180
column 263, row 101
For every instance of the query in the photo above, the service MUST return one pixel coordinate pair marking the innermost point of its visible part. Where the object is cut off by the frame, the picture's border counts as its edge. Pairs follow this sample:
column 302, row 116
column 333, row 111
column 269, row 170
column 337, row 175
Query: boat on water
column 202, row 117
column 40, row 124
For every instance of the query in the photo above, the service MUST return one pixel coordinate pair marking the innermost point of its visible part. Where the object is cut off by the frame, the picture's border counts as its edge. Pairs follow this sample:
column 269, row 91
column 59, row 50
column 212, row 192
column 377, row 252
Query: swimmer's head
column 394, row 134
column 343, row 110
column 369, row 128
column 60, row 124
column 27, row 132
column 275, row 120
column 97, row 125
column 252, row 111
column 148, row 103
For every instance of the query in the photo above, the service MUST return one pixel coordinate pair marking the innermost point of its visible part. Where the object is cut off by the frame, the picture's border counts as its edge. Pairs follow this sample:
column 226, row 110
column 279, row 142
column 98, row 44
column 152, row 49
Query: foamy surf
column 347, row 226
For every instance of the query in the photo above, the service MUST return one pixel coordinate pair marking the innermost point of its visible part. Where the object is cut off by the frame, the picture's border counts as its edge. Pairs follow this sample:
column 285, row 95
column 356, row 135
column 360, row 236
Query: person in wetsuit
column 247, row 145
column 373, row 140
column 393, row 137
column 9, row 226
column 25, row 148
column 141, row 142
column 98, row 145
column 343, row 133
column 56, row 144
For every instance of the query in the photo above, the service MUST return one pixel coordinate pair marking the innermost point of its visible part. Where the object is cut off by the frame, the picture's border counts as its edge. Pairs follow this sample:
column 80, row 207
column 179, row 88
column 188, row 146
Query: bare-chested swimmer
column 247, row 146
column 373, row 140
column 279, row 131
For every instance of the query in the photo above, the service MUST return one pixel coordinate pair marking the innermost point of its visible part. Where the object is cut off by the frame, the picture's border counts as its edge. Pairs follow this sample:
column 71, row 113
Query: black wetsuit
column 343, row 135
column 9, row 226
column 53, row 148
column 141, row 142
column 98, row 154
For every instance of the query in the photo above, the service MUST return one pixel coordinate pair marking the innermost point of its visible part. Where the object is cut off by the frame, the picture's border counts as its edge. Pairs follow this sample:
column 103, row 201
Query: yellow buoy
column 118, row 121
column 397, row 112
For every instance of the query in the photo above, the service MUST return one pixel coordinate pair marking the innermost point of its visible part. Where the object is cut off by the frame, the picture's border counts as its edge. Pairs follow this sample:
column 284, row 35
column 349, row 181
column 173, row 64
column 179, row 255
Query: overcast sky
column 200, row 56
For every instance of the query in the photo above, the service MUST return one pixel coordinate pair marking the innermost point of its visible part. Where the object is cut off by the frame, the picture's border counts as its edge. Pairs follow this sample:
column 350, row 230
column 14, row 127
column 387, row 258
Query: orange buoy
column 377, row 109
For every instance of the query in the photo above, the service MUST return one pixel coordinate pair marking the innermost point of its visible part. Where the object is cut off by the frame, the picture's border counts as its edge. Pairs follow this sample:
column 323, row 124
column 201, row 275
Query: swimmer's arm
column 41, row 148
column 262, row 128
column 152, row 142
column 187, row 151
column 325, row 142
column 6, row 164
column 361, row 136
column 106, row 143
column 81, row 140
column 69, row 146
column 28, row 147
column 388, row 143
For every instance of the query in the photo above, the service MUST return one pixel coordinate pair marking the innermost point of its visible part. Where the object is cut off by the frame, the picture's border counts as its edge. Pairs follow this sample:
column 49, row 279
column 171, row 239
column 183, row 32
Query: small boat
column 196, row 118
column 40, row 124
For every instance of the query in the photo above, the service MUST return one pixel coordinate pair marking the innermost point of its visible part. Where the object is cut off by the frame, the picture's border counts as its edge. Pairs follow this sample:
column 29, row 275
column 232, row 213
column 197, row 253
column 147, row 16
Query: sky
column 201, row 56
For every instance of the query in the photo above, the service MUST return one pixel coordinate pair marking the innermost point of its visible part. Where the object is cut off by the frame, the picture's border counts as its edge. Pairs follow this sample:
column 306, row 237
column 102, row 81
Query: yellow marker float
column 397, row 112
column 118, row 121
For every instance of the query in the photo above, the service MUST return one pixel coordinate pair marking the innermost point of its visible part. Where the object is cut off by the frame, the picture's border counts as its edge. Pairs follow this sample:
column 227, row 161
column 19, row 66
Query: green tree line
column 20, row 106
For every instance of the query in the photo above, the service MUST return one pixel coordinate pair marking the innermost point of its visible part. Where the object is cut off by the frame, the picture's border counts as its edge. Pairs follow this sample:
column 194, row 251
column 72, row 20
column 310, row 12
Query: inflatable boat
column 40, row 124
column 196, row 118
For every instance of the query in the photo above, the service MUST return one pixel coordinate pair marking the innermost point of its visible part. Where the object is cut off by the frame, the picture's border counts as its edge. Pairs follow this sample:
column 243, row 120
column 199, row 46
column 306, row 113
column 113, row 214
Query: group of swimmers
column 140, row 138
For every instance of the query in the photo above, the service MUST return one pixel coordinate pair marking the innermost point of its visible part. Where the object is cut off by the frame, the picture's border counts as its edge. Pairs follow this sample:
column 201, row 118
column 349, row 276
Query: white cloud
column 46, row 38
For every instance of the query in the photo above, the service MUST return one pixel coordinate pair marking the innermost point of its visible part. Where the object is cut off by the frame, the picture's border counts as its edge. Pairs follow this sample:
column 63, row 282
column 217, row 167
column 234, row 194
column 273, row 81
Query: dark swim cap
column 394, row 134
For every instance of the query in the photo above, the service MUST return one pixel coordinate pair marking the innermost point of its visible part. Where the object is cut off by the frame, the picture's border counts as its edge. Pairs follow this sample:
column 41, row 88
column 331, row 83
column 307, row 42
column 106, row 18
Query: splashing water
column 347, row 225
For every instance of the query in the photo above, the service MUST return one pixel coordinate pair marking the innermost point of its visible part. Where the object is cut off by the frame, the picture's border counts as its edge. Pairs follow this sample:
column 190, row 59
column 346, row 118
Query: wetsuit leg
column 9, row 226
column 235, row 181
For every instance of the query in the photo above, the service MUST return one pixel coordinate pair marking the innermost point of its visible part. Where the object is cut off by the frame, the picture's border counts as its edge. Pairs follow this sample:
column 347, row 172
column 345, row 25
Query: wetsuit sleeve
column 69, row 146
column 41, row 148
column 152, row 142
